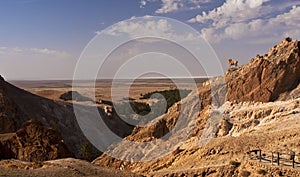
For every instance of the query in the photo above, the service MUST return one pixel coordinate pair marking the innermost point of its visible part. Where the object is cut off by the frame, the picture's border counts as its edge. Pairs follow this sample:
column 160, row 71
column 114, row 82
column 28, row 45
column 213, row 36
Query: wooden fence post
column 260, row 155
column 272, row 158
column 278, row 156
column 293, row 162
column 293, row 159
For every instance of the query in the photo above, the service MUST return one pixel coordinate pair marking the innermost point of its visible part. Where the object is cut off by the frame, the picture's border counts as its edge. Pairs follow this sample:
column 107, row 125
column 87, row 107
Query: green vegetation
column 171, row 96
column 140, row 108
column 139, row 112
column 143, row 110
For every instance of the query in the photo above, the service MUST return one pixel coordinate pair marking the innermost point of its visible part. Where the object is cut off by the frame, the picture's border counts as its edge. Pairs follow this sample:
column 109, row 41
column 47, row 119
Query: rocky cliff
column 265, row 77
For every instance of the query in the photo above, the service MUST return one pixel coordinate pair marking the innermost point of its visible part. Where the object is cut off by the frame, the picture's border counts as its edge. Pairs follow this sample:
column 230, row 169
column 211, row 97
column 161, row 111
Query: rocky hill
column 249, row 116
column 18, row 106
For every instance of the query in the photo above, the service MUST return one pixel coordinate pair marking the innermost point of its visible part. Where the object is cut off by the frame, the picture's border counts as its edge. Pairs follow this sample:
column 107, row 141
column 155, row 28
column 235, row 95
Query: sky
column 42, row 39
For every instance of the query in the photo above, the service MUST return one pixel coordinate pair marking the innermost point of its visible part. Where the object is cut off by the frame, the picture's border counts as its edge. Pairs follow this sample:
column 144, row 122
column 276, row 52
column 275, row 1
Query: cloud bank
column 250, row 20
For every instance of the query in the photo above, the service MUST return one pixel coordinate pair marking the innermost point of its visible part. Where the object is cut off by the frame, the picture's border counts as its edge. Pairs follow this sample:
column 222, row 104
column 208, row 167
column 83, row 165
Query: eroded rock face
column 268, row 76
column 33, row 142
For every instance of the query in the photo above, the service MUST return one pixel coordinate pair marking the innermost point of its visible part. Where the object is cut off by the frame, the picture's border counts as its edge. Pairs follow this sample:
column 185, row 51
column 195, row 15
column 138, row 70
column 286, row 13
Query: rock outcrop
column 34, row 143
column 267, row 76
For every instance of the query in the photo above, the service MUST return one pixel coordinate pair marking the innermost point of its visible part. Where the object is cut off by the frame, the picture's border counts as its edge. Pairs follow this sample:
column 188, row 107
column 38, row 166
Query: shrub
column 140, row 108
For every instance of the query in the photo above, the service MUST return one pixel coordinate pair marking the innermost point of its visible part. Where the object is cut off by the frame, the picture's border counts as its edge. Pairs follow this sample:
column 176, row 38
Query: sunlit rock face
column 266, row 77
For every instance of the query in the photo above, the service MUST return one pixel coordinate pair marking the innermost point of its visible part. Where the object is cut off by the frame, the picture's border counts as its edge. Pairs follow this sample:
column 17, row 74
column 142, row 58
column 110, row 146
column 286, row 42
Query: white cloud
column 2, row 50
column 143, row 3
column 232, row 11
column 34, row 51
column 248, row 20
column 146, row 27
column 46, row 51
column 149, row 26
column 17, row 49
column 289, row 18
column 168, row 6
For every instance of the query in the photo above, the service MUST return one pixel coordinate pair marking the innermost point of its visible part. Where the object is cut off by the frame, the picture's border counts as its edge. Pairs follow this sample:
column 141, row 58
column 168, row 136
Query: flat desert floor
column 52, row 89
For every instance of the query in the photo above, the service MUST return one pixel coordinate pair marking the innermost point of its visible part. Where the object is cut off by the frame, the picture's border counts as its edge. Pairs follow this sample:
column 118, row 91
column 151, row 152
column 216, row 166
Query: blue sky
column 43, row 39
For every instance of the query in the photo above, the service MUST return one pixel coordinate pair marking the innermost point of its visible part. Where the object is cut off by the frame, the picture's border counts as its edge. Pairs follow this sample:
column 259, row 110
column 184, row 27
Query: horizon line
column 109, row 78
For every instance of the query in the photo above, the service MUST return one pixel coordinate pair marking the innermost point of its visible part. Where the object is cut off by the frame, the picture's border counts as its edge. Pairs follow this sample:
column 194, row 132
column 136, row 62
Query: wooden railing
column 278, row 158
